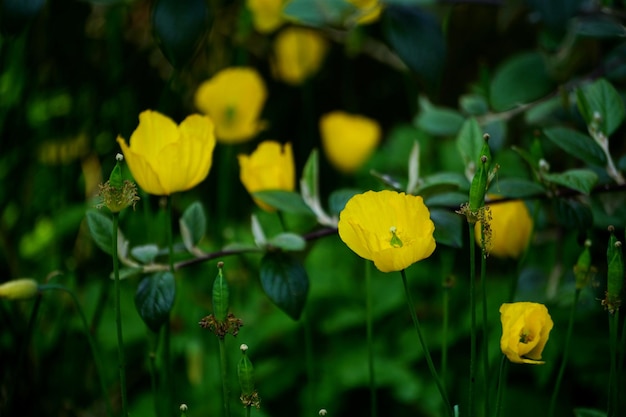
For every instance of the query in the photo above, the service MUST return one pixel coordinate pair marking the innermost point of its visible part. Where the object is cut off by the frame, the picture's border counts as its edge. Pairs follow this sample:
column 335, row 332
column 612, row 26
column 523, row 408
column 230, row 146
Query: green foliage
column 285, row 282
column 154, row 299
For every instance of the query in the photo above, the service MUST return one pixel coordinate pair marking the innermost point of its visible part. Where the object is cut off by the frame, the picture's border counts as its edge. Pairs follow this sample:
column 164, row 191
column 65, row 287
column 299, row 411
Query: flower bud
column 245, row 372
column 19, row 289
column 583, row 271
column 480, row 180
column 117, row 194
column 615, row 273
column 220, row 295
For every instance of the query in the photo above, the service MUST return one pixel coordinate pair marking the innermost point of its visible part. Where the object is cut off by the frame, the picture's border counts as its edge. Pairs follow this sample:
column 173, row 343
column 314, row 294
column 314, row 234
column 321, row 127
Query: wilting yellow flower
column 165, row 158
column 369, row 10
column 348, row 140
column 19, row 289
column 233, row 98
column 525, row 331
column 270, row 167
column 267, row 15
column 298, row 54
column 509, row 230
column 392, row 229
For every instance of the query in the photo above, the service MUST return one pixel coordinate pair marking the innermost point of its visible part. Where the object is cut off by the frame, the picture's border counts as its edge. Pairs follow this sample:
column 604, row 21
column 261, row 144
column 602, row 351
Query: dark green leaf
column 516, row 188
column 448, row 227
column 319, row 13
column 286, row 201
column 473, row 104
column 452, row 200
column 601, row 98
column 438, row 120
column 576, row 144
column 338, row 199
column 588, row 412
column 288, row 242
column 555, row 14
column 101, row 229
column 285, row 282
column 154, row 298
column 442, row 182
column 582, row 180
column 193, row 225
column 179, row 26
column 519, row 80
column 573, row 214
column 416, row 37
column 599, row 26
column 145, row 253
column 470, row 141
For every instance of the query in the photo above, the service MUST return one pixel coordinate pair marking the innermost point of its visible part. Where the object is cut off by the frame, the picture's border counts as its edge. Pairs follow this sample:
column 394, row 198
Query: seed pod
column 583, row 271
column 220, row 295
column 615, row 272
column 480, row 180
column 245, row 371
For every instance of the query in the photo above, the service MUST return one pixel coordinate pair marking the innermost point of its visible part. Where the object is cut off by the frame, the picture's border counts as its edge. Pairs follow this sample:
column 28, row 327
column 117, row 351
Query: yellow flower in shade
column 525, row 331
column 269, row 168
column 234, row 99
column 509, row 229
column 19, row 289
column 392, row 229
column 369, row 10
column 298, row 54
column 348, row 140
column 164, row 157
column 267, row 15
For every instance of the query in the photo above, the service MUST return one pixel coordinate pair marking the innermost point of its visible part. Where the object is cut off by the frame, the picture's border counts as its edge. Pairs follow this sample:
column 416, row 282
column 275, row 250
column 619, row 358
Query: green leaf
column 319, row 13
column 576, row 144
column 285, row 282
column 473, row 104
column 470, row 141
column 193, row 225
column 588, row 412
column 450, row 200
column 602, row 98
column 516, row 188
column 338, row 199
column 154, row 298
column 582, row 180
column 288, row 242
column 555, row 14
column 286, row 201
column 519, row 80
column 417, row 38
column 438, row 121
column 179, row 27
column 599, row 26
column 573, row 214
column 448, row 227
column 145, row 253
column 101, row 229
column 441, row 183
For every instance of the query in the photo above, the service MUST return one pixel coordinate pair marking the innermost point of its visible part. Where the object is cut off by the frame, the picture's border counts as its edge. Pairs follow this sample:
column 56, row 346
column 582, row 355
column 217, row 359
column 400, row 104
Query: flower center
column 525, row 337
column 395, row 240
column 229, row 114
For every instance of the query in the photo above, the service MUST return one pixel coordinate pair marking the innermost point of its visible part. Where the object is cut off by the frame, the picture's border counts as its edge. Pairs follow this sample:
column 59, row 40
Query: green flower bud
column 117, row 194
column 19, row 289
column 481, row 178
column 245, row 372
column 615, row 273
column 220, row 295
column 583, row 271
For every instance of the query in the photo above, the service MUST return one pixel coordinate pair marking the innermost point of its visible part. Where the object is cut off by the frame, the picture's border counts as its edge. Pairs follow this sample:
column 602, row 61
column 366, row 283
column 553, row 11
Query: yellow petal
column 142, row 171
column 511, row 229
column 299, row 53
column 525, row 331
column 267, row 15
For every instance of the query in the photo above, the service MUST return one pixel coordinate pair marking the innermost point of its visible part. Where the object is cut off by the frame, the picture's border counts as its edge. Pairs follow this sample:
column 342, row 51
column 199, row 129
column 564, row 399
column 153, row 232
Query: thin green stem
column 485, row 347
column 370, row 338
column 103, row 297
column 501, row 385
column 167, row 359
column 622, row 350
column 472, row 301
column 310, row 363
column 566, row 347
column 444, row 331
column 118, row 317
column 153, row 342
column 224, row 373
column 429, row 360
column 90, row 339
column 613, row 406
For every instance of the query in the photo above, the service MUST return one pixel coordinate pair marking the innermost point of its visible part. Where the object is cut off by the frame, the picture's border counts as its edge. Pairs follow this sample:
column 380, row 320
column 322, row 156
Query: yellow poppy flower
column 392, row 229
column 369, row 10
column 233, row 98
column 298, row 54
column 525, row 331
column 348, row 140
column 165, row 158
column 269, row 167
column 19, row 289
column 267, row 15
column 509, row 231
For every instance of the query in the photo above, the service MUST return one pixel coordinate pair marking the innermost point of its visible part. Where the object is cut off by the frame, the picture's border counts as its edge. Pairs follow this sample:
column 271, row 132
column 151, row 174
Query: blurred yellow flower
column 348, row 140
column 392, row 229
column 165, row 158
column 19, row 289
column 269, row 168
column 369, row 10
column 267, row 15
column 298, row 54
column 509, row 230
column 525, row 331
column 234, row 99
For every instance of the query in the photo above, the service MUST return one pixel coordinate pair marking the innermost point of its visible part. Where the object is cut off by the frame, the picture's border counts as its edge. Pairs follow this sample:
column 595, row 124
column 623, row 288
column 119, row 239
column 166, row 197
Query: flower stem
column 310, row 362
column 167, row 360
column 568, row 338
column 224, row 373
column 613, row 406
column 370, row 338
column 429, row 360
column 118, row 317
column 472, row 300
column 485, row 347
column 501, row 385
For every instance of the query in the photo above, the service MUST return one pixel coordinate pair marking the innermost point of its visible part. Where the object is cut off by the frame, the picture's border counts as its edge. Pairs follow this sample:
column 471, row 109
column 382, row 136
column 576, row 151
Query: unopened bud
column 220, row 295
column 323, row 412
column 615, row 273
column 19, row 289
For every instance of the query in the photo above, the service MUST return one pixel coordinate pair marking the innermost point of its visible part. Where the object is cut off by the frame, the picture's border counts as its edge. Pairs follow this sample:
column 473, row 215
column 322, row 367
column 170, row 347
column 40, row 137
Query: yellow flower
column 392, row 229
column 298, row 54
column 233, row 98
column 525, row 331
column 267, row 15
column 19, row 289
column 165, row 158
column 509, row 231
column 348, row 140
column 369, row 10
column 269, row 167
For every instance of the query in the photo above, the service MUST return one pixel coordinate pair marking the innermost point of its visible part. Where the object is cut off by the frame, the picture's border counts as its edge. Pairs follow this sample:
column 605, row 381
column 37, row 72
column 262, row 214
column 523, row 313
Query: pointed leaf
column 470, row 141
column 193, row 225
column 285, row 282
column 448, row 227
column 516, row 188
column 440, row 121
column 602, row 98
column 576, row 144
column 101, row 229
column 286, row 201
column 573, row 214
column 145, row 253
column 582, row 180
column 338, row 199
column 154, row 298
column 288, row 242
